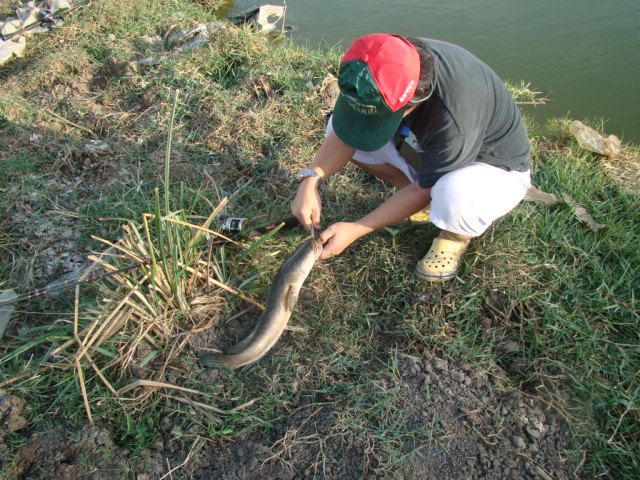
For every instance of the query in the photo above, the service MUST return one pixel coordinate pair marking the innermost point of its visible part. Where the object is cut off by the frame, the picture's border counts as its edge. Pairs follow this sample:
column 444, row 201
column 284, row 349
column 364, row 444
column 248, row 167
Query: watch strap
column 307, row 172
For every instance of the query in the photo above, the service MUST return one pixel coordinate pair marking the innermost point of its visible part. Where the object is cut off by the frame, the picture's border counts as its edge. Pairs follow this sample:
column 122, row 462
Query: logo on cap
column 403, row 97
column 363, row 108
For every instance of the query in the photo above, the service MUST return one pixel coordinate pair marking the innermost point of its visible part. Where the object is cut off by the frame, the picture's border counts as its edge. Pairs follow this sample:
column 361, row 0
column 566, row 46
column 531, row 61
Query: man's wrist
column 361, row 229
column 307, row 173
column 311, row 181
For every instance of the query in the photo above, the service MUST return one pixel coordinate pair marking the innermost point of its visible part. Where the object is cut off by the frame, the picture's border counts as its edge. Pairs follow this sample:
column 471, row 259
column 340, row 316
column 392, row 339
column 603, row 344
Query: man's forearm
column 332, row 156
column 405, row 202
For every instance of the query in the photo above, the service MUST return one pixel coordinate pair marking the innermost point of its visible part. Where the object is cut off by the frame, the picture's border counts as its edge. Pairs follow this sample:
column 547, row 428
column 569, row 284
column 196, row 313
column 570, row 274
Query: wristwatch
column 307, row 172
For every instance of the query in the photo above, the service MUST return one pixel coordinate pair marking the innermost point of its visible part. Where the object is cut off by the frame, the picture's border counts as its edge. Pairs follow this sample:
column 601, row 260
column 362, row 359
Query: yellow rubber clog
column 420, row 218
column 442, row 261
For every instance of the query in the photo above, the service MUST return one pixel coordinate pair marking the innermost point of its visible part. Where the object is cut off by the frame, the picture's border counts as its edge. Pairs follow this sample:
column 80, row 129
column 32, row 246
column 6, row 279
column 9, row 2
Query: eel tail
column 214, row 360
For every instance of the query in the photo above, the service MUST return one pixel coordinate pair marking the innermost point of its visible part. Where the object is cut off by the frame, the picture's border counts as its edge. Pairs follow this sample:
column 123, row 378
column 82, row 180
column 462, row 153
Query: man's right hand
column 306, row 205
column 331, row 157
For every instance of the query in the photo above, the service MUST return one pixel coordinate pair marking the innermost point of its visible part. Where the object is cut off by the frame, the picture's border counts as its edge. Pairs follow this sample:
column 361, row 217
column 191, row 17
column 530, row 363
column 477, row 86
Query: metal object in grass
column 263, row 18
column 44, row 19
column 93, row 277
column 31, row 17
column 238, row 225
column 5, row 314
column 282, row 299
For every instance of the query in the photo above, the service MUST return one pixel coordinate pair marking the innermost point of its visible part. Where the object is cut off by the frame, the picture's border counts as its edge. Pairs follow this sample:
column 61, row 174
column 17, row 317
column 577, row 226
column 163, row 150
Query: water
column 584, row 55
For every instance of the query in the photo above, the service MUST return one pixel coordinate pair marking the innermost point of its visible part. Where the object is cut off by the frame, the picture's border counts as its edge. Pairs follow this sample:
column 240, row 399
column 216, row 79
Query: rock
column 438, row 364
column 510, row 346
column 158, row 445
column 428, row 367
column 518, row 442
column 591, row 140
column 329, row 91
column 165, row 423
column 458, row 377
column 534, row 433
column 10, row 409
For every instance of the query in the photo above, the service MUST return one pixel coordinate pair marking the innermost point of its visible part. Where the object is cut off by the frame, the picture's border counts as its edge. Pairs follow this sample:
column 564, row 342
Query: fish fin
column 213, row 360
column 291, row 298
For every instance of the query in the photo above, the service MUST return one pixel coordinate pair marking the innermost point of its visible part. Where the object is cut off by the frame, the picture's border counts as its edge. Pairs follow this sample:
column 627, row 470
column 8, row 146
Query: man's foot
column 442, row 261
column 420, row 218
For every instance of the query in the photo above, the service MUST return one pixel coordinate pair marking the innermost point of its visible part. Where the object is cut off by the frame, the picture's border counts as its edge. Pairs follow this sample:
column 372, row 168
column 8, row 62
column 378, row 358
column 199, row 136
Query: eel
column 282, row 299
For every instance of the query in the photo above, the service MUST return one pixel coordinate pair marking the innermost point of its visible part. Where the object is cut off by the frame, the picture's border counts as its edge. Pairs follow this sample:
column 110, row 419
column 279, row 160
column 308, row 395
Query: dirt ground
column 465, row 426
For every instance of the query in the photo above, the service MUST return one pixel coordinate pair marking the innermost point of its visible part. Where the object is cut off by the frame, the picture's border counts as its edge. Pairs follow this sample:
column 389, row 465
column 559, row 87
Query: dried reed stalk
column 224, row 287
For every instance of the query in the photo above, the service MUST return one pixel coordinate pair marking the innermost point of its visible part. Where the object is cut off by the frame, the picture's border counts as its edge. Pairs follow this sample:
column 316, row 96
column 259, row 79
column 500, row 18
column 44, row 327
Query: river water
column 584, row 55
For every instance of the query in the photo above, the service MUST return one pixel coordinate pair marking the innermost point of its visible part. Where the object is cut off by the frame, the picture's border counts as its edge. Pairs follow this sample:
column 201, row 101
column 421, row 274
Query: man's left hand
column 339, row 236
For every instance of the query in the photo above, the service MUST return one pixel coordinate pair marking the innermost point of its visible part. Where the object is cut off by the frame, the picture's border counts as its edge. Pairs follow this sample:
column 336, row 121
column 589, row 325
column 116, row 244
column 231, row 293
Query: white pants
column 465, row 201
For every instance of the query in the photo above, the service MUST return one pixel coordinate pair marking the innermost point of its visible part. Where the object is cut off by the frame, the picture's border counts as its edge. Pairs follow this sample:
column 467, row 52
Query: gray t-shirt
column 471, row 117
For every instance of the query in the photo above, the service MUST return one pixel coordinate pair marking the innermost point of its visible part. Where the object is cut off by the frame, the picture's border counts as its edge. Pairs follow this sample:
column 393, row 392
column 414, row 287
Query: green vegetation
column 248, row 115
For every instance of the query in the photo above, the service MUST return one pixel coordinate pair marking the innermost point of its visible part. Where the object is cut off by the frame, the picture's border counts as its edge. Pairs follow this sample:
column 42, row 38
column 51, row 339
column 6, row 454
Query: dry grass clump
column 156, row 298
column 167, row 281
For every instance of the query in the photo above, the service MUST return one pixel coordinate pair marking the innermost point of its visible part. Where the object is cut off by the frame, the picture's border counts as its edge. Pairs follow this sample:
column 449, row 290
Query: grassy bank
column 84, row 126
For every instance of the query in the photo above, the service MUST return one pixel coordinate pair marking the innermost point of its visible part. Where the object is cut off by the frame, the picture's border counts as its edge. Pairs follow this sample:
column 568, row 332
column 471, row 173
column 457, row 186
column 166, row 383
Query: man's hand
column 339, row 236
column 406, row 201
column 306, row 205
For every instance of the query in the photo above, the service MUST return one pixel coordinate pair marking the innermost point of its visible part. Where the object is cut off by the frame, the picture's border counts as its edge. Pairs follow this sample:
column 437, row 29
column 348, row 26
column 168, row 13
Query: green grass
column 244, row 122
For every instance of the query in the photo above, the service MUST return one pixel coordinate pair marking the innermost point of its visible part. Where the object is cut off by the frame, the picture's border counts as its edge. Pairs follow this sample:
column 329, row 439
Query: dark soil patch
column 452, row 423
column 432, row 419
column 88, row 454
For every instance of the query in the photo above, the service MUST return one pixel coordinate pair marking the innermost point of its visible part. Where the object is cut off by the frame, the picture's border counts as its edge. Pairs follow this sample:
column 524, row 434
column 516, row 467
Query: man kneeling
column 473, row 148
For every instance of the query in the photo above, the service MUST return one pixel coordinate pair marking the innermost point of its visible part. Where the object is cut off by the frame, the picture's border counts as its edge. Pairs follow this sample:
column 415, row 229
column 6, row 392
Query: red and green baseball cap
column 378, row 76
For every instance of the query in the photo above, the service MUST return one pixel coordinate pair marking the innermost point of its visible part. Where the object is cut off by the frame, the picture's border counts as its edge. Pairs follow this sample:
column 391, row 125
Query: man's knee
column 385, row 172
column 470, row 200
